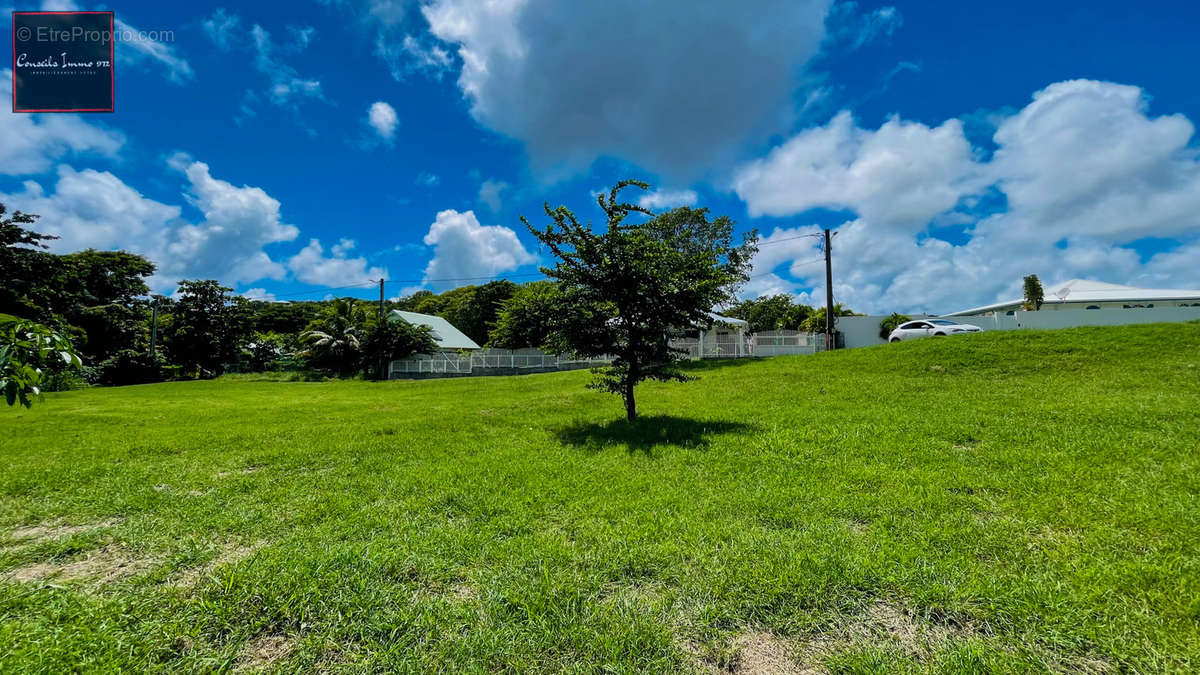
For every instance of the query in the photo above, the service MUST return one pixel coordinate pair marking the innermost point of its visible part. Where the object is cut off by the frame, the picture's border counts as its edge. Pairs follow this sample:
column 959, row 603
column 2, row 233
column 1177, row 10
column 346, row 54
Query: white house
column 1087, row 294
column 447, row 337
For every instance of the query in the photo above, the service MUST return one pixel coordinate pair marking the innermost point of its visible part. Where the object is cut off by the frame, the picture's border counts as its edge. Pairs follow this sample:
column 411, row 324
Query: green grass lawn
column 1020, row 501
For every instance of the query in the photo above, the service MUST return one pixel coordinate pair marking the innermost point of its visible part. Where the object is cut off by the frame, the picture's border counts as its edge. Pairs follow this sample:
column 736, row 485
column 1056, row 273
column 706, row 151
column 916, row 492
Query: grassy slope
column 1035, row 492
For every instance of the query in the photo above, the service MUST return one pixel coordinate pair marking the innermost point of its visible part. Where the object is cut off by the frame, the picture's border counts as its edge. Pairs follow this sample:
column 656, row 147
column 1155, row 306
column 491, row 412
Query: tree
column 26, row 348
column 289, row 318
column 622, row 292
column 890, row 323
column 525, row 317
column 26, row 271
column 815, row 323
column 104, row 296
column 1033, row 293
column 264, row 351
column 390, row 340
column 772, row 312
column 207, row 327
column 334, row 338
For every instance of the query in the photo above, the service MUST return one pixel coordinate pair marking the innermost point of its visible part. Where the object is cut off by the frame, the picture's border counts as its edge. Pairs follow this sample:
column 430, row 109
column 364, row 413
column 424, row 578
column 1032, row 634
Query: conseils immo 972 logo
column 62, row 61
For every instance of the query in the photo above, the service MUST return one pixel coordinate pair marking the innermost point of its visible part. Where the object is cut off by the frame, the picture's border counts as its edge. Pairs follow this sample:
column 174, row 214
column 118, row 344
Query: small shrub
column 889, row 324
column 131, row 367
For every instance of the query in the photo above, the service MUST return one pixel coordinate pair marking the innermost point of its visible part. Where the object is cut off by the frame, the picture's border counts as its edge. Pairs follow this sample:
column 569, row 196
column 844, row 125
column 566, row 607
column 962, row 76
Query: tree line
column 622, row 292
column 100, row 303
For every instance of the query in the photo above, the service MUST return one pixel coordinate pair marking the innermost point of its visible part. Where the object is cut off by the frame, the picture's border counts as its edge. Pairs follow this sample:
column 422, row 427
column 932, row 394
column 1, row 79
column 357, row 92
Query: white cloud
column 902, row 174
column 463, row 248
column 285, row 86
column 31, row 143
column 1078, row 175
column 412, row 55
column 312, row 266
column 665, row 199
column 489, row 193
column 852, row 29
column 97, row 209
column 223, row 28
column 137, row 48
column 638, row 91
column 794, row 246
column 382, row 118
column 238, row 223
column 261, row 294
column 302, row 36
column 1083, row 158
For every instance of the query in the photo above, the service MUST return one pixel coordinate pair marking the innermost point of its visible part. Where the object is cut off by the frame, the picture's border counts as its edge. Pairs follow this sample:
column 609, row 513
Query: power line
column 311, row 291
column 780, row 241
column 500, row 277
column 795, row 264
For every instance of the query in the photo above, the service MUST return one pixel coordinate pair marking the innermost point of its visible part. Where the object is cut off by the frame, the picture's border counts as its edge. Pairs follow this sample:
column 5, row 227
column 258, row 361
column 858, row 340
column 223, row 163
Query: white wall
column 1069, row 318
column 863, row 331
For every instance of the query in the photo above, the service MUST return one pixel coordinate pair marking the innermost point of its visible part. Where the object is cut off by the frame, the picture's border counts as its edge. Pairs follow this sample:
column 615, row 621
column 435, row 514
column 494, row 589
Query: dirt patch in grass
column 858, row 526
column 263, row 652
column 101, row 566
column 244, row 471
column 36, row 534
column 764, row 653
column 463, row 592
column 230, row 552
column 882, row 624
column 884, row 621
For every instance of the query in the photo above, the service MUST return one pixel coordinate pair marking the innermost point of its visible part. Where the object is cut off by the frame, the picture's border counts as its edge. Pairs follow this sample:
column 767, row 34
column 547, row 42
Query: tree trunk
column 630, row 404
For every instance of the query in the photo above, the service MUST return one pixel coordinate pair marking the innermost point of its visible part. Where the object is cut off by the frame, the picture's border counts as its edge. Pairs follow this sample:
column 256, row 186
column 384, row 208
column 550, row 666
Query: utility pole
column 830, row 338
column 382, row 326
column 153, row 328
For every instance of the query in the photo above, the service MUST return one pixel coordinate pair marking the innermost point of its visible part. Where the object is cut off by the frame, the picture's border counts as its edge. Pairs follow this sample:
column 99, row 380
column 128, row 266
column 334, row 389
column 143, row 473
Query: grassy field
column 1006, row 502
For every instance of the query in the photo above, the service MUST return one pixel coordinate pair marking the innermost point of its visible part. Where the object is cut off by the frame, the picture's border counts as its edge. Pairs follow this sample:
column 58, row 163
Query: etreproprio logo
column 63, row 62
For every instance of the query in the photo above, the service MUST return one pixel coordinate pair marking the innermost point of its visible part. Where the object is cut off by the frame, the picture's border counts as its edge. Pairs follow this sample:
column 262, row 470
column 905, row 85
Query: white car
column 911, row 330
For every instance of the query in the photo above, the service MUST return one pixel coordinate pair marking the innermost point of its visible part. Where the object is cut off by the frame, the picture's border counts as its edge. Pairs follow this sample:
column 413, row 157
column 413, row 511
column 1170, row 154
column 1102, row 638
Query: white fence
column 714, row 346
column 783, row 342
column 488, row 361
column 440, row 364
column 509, row 361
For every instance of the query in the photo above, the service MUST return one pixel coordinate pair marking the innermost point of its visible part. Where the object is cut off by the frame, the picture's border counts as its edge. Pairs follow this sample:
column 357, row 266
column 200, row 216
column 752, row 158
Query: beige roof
column 1087, row 290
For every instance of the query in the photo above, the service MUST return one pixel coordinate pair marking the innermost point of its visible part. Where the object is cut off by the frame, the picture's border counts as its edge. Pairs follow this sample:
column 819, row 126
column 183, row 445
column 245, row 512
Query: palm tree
column 334, row 337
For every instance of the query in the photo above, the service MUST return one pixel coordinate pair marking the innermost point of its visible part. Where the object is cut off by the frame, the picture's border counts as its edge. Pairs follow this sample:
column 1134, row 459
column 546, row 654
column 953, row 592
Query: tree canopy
column 525, row 317
column 624, row 291
column 208, row 326
column 770, row 312
column 1034, row 295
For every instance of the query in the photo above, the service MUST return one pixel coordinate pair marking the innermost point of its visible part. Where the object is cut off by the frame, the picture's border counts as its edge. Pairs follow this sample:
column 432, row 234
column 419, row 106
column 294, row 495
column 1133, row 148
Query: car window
column 918, row 324
column 942, row 322
column 909, row 326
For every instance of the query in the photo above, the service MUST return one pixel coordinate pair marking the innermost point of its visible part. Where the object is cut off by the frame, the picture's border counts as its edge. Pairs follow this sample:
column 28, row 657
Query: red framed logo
column 63, row 62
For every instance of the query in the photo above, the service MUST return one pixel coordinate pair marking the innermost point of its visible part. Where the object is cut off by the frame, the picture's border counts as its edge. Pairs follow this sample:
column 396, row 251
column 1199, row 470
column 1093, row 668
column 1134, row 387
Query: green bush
column 131, row 367
column 889, row 324
column 28, row 352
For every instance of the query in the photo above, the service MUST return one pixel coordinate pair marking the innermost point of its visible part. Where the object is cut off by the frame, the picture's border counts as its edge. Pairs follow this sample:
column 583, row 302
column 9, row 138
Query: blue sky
column 286, row 148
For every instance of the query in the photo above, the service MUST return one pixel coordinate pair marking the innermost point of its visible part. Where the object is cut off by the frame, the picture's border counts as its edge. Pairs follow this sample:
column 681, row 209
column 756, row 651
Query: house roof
column 443, row 332
column 1087, row 290
column 727, row 320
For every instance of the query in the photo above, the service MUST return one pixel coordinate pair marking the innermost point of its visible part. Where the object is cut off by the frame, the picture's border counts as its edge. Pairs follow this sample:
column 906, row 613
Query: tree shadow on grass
column 647, row 432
